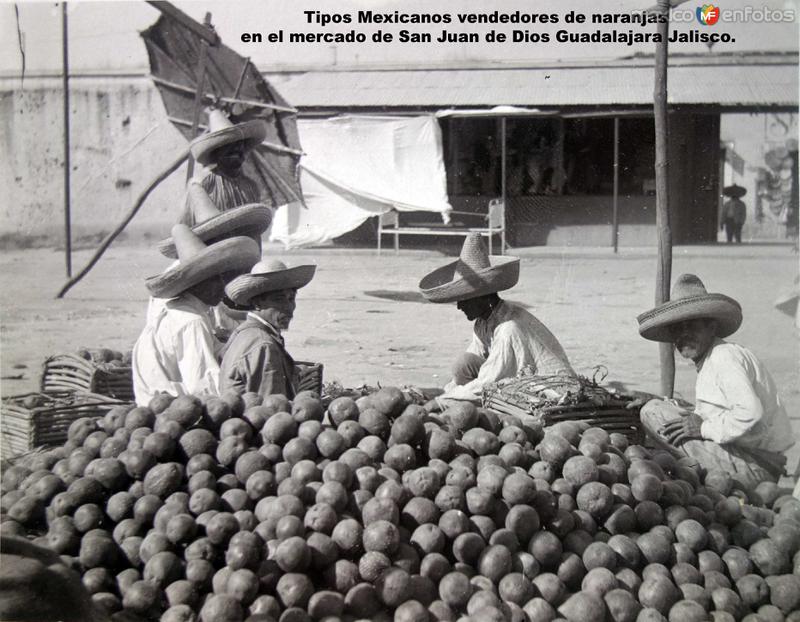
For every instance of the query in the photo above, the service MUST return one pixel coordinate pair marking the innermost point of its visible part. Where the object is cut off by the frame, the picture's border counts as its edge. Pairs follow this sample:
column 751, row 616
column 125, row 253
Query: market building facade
column 571, row 147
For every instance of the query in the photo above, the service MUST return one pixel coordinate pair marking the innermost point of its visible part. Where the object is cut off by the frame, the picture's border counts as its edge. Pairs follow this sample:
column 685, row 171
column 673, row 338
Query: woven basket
column 552, row 399
column 70, row 372
column 309, row 376
column 23, row 428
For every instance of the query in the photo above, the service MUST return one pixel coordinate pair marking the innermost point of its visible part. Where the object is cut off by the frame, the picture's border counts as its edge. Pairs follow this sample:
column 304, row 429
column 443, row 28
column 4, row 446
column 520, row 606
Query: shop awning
column 629, row 84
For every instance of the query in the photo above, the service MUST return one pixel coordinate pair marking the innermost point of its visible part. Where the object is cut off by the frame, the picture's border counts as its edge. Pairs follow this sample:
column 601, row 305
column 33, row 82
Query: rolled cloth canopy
column 356, row 167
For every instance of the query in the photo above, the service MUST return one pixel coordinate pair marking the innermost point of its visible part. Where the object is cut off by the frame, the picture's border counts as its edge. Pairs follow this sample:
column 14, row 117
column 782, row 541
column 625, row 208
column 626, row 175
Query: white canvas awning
column 356, row 167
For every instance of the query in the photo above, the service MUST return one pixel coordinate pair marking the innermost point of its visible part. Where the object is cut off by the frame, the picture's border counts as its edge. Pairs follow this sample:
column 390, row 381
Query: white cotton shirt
column 737, row 399
column 510, row 340
column 176, row 352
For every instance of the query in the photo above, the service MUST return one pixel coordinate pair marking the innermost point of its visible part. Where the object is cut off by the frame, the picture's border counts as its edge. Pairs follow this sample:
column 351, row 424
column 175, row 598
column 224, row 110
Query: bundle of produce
column 310, row 376
column 101, row 371
column 34, row 419
column 551, row 399
column 233, row 508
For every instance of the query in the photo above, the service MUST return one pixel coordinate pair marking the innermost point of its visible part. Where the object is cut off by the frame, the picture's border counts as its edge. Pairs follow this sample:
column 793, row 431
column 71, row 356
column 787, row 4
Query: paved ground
column 363, row 318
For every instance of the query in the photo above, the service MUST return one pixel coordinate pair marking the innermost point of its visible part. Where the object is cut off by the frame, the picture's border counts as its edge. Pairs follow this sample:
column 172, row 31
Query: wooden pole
column 664, row 267
column 65, row 88
column 126, row 219
column 168, row 9
column 615, row 202
column 503, row 189
column 198, row 95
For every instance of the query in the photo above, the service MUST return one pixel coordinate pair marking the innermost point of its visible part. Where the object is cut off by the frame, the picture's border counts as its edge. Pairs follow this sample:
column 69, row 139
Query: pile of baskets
column 35, row 419
column 551, row 399
column 72, row 372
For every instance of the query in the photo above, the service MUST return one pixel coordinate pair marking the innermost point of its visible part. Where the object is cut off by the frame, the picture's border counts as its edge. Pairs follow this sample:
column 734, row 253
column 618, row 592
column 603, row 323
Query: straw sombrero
column 690, row 300
column 788, row 300
column 268, row 276
column 198, row 262
column 222, row 132
column 248, row 220
column 476, row 273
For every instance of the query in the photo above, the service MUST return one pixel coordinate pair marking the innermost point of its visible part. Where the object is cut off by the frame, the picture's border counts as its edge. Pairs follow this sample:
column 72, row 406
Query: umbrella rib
column 266, row 143
column 229, row 100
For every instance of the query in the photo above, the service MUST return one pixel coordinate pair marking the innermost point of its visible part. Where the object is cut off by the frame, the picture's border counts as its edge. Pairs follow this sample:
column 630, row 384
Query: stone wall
column 120, row 140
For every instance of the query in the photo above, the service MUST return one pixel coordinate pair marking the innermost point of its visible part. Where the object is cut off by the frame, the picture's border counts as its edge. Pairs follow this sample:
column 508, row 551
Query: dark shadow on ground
column 397, row 296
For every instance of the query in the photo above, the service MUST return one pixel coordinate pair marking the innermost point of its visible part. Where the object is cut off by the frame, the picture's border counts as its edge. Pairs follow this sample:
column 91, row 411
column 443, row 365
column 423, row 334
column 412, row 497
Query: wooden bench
column 389, row 224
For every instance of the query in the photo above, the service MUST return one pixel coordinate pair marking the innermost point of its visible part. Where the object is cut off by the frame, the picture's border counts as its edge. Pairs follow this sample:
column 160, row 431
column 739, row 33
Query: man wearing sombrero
column 506, row 338
column 255, row 357
column 734, row 213
column 211, row 224
column 222, row 150
column 176, row 352
column 739, row 424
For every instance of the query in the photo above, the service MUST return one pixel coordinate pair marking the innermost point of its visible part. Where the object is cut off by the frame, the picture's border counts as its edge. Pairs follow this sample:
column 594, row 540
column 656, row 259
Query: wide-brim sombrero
column 475, row 273
column 245, row 287
column 236, row 254
column 734, row 191
column 690, row 301
column 248, row 220
column 788, row 301
column 252, row 133
column 445, row 285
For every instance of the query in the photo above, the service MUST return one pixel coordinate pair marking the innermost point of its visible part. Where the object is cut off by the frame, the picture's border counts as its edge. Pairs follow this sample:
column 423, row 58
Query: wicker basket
column 70, row 372
column 550, row 400
column 25, row 427
column 309, row 376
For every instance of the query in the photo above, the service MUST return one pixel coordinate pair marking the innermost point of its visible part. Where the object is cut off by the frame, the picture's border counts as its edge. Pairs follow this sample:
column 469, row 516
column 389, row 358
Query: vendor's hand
column 432, row 406
column 686, row 429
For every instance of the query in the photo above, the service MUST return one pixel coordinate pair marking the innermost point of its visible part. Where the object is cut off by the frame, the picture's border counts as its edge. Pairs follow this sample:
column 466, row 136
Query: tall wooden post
column 664, row 268
column 65, row 89
column 615, row 200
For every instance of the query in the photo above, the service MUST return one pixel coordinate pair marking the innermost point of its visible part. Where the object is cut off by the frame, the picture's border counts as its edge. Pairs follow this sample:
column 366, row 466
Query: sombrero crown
column 198, row 262
column 476, row 273
column 689, row 301
column 213, row 225
column 222, row 132
column 268, row 276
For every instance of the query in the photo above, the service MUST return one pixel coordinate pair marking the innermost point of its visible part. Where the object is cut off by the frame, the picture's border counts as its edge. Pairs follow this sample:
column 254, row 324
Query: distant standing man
column 734, row 213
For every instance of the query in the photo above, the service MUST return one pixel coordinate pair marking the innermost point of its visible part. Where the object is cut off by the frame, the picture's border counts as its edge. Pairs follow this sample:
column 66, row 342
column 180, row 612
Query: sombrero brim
column 248, row 220
column 252, row 133
column 237, row 254
column 443, row 285
column 654, row 324
column 735, row 192
column 788, row 302
column 245, row 287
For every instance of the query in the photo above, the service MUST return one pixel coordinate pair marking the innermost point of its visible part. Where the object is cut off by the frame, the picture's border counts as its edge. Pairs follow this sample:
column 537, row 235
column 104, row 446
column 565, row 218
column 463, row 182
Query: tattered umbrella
column 177, row 65
column 192, row 68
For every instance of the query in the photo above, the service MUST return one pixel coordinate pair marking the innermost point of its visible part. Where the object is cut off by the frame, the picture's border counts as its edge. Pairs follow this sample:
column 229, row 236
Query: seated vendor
column 213, row 224
column 506, row 338
column 255, row 358
column 176, row 352
column 738, row 424
column 223, row 150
